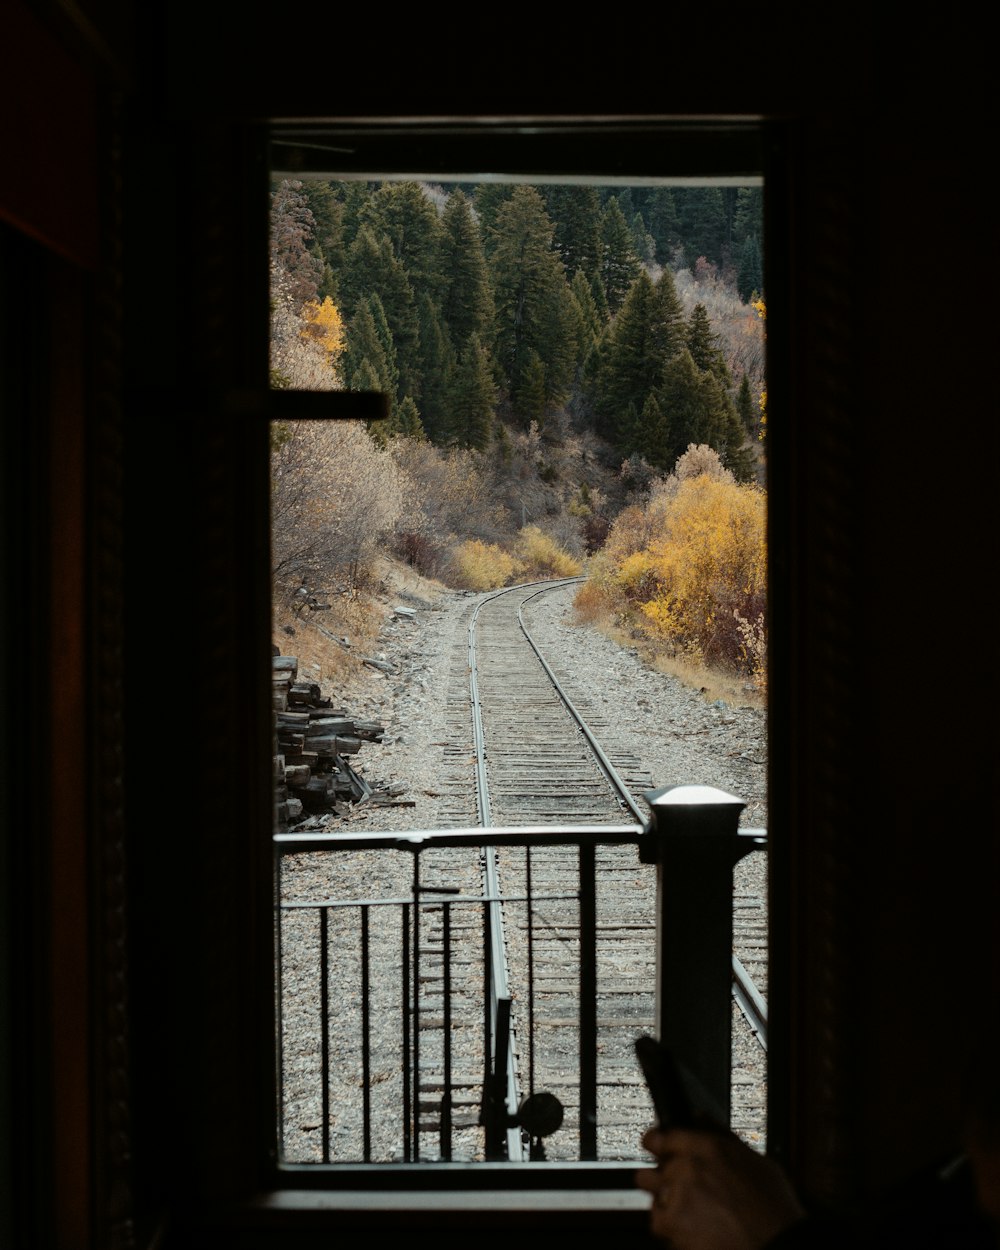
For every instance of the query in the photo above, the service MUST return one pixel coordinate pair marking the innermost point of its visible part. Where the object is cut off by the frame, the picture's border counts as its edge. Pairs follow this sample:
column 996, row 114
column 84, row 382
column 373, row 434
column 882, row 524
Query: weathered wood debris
column 312, row 744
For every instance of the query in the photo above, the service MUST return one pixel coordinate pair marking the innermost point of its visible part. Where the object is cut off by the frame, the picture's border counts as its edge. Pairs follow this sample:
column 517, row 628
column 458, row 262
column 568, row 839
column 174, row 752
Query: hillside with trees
column 576, row 386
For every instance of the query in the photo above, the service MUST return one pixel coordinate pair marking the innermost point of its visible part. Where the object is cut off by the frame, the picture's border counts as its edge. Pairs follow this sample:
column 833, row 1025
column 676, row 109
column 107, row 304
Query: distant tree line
column 488, row 308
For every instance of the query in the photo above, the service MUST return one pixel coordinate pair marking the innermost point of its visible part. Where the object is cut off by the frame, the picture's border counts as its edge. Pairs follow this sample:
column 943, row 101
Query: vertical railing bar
column 405, row 1005
column 588, row 1001
column 446, row 1127
column 501, row 1069
column 280, row 988
column 487, row 1022
column 531, row 970
column 324, row 1015
column 416, row 1006
column 366, row 1060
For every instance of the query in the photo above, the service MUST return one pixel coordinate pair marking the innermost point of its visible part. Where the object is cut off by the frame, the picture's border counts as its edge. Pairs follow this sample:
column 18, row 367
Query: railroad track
column 523, row 749
column 538, row 764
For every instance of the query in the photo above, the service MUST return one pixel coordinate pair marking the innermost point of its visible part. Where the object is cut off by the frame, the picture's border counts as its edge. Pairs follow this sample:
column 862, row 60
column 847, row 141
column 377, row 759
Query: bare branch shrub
column 451, row 492
column 753, row 648
column 334, row 499
column 299, row 360
column 567, row 530
column 741, row 334
column 636, row 475
column 292, row 227
column 701, row 459
column 421, row 552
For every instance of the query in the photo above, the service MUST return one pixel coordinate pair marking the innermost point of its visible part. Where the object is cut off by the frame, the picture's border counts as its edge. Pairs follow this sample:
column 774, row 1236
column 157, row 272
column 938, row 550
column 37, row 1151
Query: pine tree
column 682, row 400
column 530, row 398
column 437, row 364
column 660, row 214
column 748, row 214
column 669, row 329
column 631, row 360
column 403, row 213
column 588, row 322
column 642, row 240
column 355, row 197
column 576, row 215
column 407, row 420
column 619, row 263
column 698, row 409
column 625, row 202
column 487, row 202
column 473, row 398
column 328, row 236
column 366, row 378
column 703, row 224
column 600, row 298
column 466, row 296
column 703, row 344
column 381, row 322
column 652, row 440
column 364, row 364
column 750, row 273
column 534, row 308
column 746, row 409
column 723, row 430
column 373, row 267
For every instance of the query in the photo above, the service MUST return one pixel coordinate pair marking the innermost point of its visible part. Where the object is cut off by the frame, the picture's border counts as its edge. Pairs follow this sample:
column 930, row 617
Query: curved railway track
column 525, row 750
column 539, row 764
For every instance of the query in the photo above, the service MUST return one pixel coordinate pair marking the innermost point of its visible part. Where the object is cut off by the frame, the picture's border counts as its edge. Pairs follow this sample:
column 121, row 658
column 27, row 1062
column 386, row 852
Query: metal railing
column 405, row 1037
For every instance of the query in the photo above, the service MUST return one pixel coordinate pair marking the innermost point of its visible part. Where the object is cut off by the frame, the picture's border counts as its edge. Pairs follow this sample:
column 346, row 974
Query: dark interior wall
column 49, row 255
column 884, row 743
column 49, row 183
column 927, row 456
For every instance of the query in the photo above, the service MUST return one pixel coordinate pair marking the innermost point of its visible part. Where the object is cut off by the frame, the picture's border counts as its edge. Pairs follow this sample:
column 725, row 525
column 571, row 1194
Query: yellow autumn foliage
column 323, row 325
column 761, row 309
column 476, row 565
column 698, row 587
column 541, row 556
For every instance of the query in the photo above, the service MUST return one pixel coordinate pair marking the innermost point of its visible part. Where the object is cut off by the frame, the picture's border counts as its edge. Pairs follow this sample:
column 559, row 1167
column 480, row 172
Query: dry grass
column 335, row 666
column 331, row 645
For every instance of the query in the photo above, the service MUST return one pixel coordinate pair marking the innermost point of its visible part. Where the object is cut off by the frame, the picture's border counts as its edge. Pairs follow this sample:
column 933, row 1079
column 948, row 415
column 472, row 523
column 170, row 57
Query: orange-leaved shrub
column 539, row 555
column 475, row 565
column 689, row 570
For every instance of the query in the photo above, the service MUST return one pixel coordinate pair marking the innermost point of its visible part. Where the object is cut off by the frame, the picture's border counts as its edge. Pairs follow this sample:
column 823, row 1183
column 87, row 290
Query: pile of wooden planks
column 312, row 743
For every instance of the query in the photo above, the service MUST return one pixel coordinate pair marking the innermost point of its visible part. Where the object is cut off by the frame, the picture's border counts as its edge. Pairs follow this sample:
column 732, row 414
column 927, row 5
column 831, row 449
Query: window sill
column 296, row 1219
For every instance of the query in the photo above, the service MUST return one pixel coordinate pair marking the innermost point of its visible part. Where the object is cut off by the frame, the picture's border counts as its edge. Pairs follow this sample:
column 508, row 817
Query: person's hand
column 711, row 1191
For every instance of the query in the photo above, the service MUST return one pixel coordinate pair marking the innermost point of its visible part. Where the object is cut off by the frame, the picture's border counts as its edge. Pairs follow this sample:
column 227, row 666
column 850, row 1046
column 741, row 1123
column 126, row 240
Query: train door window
column 552, row 381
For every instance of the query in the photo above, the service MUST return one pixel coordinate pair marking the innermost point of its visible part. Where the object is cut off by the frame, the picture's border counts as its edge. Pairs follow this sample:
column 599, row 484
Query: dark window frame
column 229, row 1168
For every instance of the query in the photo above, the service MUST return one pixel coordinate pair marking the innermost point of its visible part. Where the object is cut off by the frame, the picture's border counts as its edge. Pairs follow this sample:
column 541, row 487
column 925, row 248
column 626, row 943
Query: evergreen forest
column 576, row 385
